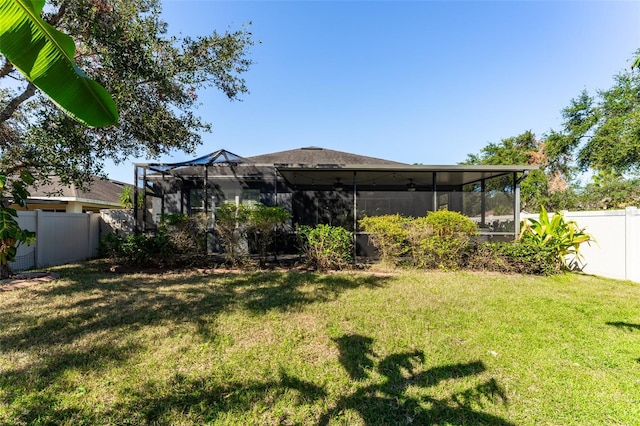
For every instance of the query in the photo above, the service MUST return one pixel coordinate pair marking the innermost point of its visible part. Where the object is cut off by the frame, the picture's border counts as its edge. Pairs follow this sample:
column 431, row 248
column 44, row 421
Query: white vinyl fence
column 60, row 238
column 616, row 253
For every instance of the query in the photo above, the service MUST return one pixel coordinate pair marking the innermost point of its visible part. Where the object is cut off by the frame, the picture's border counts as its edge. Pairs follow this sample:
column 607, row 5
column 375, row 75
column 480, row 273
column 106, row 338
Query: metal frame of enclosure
column 337, row 194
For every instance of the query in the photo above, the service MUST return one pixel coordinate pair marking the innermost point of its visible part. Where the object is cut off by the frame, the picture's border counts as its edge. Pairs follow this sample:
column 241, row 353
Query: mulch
column 27, row 279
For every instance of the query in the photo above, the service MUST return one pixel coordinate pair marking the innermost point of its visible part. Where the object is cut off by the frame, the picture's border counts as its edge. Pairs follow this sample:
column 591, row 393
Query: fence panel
column 616, row 252
column 606, row 257
column 26, row 255
column 60, row 238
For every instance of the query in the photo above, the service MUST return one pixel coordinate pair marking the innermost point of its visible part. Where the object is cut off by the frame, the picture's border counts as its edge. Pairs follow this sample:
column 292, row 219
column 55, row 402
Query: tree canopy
column 600, row 135
column 154, row 79
column 602, row 131
column 542, row 186
column 45, row 56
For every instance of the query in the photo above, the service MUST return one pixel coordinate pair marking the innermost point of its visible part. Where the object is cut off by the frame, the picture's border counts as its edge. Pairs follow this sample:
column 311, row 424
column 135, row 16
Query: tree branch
column 6, row 68
column 55, row 19
column 13, row 105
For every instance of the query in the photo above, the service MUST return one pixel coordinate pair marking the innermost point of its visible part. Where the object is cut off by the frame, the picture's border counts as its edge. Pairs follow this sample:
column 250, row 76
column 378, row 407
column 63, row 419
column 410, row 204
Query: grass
column 318, row 349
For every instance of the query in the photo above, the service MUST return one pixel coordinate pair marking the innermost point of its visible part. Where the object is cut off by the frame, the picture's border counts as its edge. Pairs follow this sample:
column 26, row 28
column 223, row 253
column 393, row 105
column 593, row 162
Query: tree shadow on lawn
column 389, row 403
column 86, row 309
column 34, row 391
column 128, row 303
column 203, row 402
column 625, row 326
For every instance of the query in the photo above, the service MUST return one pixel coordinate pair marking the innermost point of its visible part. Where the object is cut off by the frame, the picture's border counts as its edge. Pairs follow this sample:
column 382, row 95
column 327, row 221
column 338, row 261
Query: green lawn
column 305, row 348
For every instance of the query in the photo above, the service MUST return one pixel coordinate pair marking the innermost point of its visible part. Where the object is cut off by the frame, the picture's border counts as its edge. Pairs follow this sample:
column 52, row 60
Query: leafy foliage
column 448, row 236
column 388, row 234
column 325, row 246
column 187, row 233
column 437, row 240
column 48, row 59
column 602, row 131
column 11, row 235
column 547, row 185
column 140, row 249
column 609, row 191
column 264, row 223
column 230, row 225
column 563, row 237
column 126, row 197
column 154, row 80
column 518, row 257
column 180, row 241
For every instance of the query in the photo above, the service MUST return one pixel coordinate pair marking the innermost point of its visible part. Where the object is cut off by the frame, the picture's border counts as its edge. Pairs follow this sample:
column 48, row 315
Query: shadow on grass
column 95, row 303
column 202, row 403
column 34, row 390
column 95, row 313
column 624, row 325
column 389, row 403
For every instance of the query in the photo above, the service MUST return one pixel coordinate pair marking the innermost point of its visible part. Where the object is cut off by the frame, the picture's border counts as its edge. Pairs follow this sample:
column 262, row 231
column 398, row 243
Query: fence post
column 632, row 245
column 39, row 245
column 89, row 235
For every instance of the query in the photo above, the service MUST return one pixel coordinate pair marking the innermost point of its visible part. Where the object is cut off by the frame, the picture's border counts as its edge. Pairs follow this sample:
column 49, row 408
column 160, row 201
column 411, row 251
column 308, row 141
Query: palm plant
column 564, row 237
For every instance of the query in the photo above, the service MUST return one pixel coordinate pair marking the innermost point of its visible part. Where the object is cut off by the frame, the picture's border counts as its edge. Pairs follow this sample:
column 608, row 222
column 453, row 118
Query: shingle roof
column 317, row 156
column 100, row 190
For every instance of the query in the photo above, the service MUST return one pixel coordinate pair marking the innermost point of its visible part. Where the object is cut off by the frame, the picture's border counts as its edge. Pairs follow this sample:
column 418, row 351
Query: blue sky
column 418, row 81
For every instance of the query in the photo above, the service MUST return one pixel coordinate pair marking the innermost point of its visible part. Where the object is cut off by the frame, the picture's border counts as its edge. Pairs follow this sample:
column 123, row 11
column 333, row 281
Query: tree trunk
column 5, row 271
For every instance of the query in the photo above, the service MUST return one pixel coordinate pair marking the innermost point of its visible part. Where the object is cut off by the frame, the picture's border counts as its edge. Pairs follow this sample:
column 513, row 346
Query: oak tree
column 154, row 79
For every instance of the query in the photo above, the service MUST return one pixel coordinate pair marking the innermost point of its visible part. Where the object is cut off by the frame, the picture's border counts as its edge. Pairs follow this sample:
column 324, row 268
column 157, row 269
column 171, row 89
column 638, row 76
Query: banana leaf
column 46, row 57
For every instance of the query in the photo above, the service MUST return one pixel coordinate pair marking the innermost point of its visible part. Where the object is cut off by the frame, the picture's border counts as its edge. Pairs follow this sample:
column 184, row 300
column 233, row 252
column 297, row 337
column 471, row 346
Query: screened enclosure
column 330, row 193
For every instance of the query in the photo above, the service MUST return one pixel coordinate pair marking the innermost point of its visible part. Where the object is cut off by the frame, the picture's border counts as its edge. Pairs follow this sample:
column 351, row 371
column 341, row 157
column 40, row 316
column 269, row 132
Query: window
column 250, row 197
column 443, row 201
column 196, row 200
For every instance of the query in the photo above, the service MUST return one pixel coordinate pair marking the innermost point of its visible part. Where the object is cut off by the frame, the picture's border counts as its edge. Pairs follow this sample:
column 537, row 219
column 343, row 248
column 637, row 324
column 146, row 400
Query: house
column 319, row 185
column 54, row 196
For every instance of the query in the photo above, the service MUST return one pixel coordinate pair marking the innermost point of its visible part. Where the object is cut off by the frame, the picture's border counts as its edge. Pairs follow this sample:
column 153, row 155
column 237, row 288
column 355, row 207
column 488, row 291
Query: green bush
column 521, row 257
column 140, row 249
column 388, row 234
column 326, row 247
column 562, row 237
column 263, row 224
column 445, row 241
column 188, row 234
column 230, row 224
column 418, row 233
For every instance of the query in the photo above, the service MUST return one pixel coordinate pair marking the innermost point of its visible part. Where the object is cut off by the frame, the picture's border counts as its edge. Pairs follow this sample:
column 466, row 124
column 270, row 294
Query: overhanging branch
column 13, row 105
column 6, row 68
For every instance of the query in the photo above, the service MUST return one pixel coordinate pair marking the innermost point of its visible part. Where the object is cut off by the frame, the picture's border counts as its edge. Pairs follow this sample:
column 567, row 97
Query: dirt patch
column 27, row 279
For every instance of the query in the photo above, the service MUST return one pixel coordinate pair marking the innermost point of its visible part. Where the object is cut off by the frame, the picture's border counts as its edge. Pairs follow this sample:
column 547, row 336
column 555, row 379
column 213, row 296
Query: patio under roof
column 394, row 176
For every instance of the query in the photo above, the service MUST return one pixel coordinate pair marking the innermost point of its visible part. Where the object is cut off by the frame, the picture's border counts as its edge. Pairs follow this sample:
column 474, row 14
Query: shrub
column 325, row 246
column 418, row 233
column 140, row 249
column 445, row 240
column 388, row 234
column 521, row 257
column 188, row 234
column 263, row 223
column 562, row 237
column 230, row 224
